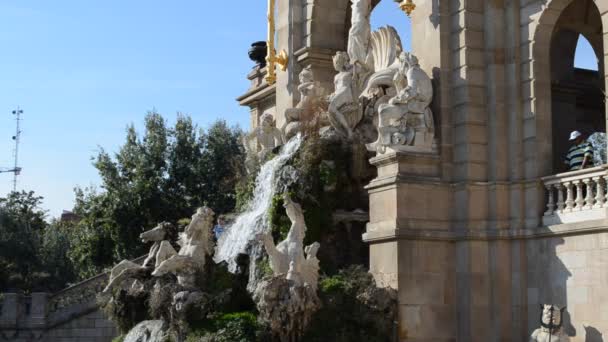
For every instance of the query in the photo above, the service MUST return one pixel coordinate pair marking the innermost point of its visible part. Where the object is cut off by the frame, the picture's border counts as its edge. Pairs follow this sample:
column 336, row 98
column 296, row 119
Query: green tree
column 222, row 163
column 30, row 252
column 92, row 246
column 162, row 176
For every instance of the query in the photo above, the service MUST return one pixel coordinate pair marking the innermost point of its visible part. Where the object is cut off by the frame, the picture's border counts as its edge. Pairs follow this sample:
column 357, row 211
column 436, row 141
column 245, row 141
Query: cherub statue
column 287, row 258
column 551, row 325
column 344, row 112
column 267, row 136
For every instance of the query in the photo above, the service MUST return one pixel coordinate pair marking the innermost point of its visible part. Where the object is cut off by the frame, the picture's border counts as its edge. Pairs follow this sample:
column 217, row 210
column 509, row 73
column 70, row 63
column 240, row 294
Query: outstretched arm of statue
column 269, row 245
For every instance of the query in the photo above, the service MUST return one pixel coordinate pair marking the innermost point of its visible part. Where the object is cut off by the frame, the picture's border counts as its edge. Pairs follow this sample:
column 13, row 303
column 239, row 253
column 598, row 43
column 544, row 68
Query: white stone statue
column 344, row 112
column 159, row 251
column 196, row 244
column 406, row 122
column 360, row 32
column 288, row 300
column 551, row 326
column 266, row 137
column 287, row 258
column 295, row 117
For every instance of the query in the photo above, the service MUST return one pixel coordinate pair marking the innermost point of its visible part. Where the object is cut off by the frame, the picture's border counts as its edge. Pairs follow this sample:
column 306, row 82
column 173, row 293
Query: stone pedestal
column 409, row 214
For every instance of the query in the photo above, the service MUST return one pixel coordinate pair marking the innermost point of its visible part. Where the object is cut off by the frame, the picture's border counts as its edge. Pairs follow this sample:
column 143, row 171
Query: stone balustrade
column 576, row 196
column 70, row 314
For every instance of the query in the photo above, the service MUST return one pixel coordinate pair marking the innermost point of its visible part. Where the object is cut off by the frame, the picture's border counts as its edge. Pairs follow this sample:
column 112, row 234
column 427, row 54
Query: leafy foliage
column 32, row 252
column 163, row 175
column 231, row 327
column 353, row 291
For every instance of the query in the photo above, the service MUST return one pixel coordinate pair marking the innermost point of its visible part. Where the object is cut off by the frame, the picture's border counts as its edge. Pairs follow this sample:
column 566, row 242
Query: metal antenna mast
column 16, row 170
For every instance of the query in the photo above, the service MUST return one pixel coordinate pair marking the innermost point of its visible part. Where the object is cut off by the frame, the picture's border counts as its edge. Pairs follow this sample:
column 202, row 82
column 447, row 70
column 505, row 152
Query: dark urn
column 258, row 53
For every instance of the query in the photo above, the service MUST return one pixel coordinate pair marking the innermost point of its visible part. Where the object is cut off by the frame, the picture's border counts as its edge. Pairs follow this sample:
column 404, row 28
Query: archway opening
column 585, row 57
column 577, row 83
column 387, row 13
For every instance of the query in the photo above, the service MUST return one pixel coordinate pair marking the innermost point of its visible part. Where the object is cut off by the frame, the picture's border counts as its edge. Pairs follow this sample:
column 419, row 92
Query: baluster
column 600, row 197
column 550, row 201
column 580, row 201
column 589, row 200
column 560, row 197
column 569, row 196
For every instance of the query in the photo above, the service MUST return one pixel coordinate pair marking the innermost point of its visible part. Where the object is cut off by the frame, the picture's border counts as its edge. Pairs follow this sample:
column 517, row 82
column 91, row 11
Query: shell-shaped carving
column 385, row 48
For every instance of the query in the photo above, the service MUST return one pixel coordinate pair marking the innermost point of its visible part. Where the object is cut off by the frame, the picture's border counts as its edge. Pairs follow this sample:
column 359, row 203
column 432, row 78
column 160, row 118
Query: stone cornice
column 257, row 94
column 580, row 228
column 308, row 55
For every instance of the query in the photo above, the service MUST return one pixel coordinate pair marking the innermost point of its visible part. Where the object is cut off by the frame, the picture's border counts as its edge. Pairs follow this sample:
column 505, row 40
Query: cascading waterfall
column 254, row 220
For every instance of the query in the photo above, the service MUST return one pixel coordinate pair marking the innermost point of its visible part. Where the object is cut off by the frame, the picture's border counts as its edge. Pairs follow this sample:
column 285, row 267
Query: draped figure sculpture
column 406, row 122
column 360, row 32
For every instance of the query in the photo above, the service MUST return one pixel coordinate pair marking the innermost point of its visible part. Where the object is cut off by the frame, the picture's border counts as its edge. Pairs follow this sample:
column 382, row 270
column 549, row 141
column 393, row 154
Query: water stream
column 254, row 220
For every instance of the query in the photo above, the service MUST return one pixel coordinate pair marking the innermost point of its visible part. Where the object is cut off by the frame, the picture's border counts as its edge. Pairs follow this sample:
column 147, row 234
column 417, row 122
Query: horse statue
column 196, row 244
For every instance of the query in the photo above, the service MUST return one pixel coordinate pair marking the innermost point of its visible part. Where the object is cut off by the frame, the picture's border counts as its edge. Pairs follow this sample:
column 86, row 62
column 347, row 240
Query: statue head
column 294, row 210
column 267, row 120
column 201, row 219
column 341, row 61
column 155, row 234
column 408, row 59
column 551, row 316
column 306, row 76
column 311, row 250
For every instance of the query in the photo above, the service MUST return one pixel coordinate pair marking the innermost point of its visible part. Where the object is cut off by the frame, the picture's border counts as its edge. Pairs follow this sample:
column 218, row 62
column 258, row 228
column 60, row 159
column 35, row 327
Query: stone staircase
column 70, row 315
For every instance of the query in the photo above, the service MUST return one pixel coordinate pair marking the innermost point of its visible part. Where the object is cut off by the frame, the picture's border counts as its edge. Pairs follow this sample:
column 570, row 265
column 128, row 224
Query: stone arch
column 336, row 13
column 536, row 80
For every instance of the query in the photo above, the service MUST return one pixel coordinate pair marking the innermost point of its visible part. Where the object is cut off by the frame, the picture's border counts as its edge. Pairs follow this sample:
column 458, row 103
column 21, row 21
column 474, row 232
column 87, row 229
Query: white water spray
column 254, row 220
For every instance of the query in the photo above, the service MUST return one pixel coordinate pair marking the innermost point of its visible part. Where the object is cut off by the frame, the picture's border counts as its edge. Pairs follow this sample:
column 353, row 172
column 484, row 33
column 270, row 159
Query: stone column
column 410, row 248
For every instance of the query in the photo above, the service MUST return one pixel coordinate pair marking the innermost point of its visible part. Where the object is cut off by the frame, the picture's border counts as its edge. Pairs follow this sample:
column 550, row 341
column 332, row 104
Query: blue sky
column 83, row 70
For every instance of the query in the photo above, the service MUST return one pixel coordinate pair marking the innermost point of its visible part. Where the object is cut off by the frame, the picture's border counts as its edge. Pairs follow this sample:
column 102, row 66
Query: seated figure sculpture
column 406, row 122
column 287, row 258
column 295, row 117
column 266, row 137
column 160, row 251
column 196, row 244
column 551, row 325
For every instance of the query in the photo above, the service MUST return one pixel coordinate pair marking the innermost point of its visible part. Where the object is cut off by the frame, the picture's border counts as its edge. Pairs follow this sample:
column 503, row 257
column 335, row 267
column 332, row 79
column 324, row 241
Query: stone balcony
column 576, row 196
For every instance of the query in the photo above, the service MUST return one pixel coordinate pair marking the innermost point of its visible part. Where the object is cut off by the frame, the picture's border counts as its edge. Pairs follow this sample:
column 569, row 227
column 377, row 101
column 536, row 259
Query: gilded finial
column 282, row 59
column 407, row 6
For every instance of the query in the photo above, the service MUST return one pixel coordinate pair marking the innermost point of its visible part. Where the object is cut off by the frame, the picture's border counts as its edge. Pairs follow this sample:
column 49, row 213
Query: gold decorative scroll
column 272, row 58
column 407, row 6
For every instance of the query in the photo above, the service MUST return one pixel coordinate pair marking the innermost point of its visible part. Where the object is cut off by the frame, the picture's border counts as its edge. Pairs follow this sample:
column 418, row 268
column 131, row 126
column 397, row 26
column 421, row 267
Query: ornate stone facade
column 459, row 228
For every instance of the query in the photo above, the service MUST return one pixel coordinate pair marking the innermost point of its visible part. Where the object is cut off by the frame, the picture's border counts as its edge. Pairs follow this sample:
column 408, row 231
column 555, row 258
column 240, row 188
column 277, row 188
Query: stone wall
column 571, row 271
column 71, row 315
